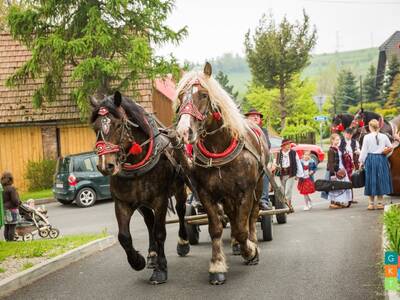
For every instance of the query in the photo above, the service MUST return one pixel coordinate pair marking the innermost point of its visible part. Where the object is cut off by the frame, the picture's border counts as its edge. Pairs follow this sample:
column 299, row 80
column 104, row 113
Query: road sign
column 321, row 118
column 319, row 100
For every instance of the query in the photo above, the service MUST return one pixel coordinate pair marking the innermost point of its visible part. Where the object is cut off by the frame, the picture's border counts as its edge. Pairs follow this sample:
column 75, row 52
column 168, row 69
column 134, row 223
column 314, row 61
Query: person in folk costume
column 378, row 181
column 306, row 183
column 288, row 168
column 336, row 171
column 11, row 203
column 350, row 149
column 256, row 117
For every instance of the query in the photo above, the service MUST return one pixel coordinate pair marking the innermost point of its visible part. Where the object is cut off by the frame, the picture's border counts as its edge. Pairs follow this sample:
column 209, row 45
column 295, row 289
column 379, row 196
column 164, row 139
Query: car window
column 83, row 165
column 275, row 142
column 63, row 164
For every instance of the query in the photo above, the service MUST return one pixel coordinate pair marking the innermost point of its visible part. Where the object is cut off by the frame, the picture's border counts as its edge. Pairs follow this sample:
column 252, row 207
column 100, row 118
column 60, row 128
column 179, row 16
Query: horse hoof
column 183, row 249
column 217, row 278
column 236, row 249
column 139, row 263
column 151, row 262
column 254, row 261
column 158, row 277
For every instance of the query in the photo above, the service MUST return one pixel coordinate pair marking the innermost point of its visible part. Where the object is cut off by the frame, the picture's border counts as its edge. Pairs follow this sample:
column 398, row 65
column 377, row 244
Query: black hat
column 254, row 111
column 349, row 130
column 285, row 142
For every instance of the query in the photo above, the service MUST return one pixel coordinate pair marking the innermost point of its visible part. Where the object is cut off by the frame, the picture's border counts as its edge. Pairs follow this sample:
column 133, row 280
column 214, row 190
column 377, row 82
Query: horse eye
column 204, row 96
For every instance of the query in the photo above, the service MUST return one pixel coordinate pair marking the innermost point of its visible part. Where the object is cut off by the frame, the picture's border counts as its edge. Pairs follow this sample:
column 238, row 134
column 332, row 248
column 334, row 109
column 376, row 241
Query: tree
column 223, row 80
column 370, row 91
column 106, row 43
column 346, row 91
column 392, row 70
column 394, row 95
column 276, row 53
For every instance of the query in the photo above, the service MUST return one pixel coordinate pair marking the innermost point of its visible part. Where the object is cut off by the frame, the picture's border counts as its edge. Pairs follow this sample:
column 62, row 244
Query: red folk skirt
column 306, row 186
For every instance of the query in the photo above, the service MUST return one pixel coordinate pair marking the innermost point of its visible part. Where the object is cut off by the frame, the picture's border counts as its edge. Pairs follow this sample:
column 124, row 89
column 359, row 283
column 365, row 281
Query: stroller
column 34, row 221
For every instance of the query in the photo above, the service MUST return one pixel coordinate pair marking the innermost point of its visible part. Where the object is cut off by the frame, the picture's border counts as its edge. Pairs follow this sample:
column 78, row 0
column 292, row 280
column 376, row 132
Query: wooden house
column 55, row 129
column 390, row 48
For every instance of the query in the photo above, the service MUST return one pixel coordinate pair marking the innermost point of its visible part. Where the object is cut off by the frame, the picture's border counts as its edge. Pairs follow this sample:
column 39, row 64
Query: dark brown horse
column 229, row 160
column 143, row 176
column 340, row 122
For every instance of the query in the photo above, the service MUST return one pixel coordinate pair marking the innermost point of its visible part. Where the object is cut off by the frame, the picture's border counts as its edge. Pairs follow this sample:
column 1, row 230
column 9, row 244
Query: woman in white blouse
column 378, row 181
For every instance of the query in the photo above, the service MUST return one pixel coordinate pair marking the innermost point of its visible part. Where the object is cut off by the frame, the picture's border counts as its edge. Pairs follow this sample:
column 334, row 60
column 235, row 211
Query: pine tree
column 391, row 72
column 346, row 91
column 223, row 80
column 106, row 43
column 394, row 95
column 370, row 91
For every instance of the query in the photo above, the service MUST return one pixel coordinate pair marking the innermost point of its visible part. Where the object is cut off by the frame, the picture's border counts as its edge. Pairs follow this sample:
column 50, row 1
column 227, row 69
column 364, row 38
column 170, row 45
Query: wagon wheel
column 27, row 237
column 280, row 218
column 192, row 229
column 266, row 226
column 54, row 233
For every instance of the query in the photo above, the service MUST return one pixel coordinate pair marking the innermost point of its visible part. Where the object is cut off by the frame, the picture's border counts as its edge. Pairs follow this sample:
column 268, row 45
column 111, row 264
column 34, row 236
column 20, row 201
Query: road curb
column 44, row 201
column 389, row 295
column 24, row 278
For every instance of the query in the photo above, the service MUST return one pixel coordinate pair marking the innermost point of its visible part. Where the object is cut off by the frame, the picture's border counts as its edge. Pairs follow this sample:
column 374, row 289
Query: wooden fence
column 76, row 139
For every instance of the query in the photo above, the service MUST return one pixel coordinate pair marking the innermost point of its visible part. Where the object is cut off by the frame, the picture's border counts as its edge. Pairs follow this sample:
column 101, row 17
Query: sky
column 218, row 26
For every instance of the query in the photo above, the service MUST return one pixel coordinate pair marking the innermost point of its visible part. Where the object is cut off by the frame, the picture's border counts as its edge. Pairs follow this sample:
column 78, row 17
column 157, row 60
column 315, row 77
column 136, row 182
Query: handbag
column 322, row 185
column 358, row 179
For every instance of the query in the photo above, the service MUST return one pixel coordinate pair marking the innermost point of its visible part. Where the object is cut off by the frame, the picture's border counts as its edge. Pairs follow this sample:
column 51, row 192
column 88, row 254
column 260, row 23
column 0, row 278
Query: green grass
column 36, row 195
column 27, row 266
column 2, row 270
column 391, row 220
column 45, row 248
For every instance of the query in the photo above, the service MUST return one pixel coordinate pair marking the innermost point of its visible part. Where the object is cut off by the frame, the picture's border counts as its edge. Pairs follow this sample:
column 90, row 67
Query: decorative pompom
column 135, row 149
column 361, row 123
column 340, row 127
column 217, row 116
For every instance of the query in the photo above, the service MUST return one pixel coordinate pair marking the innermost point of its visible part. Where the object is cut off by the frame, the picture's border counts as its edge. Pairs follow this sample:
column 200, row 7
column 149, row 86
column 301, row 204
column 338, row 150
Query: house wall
column 76, row 139
column 162, row 108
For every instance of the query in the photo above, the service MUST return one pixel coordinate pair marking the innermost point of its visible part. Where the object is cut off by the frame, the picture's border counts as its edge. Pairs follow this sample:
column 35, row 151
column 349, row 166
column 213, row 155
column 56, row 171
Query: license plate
column 59, row 185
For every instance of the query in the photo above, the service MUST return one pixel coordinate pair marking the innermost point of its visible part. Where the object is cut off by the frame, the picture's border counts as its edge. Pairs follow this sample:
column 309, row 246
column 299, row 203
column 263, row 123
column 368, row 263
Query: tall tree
column 106, row 43
column 223, row 80
column 370, row 91
column 276, row 53
column 394, row 95
column 392, row 70
column 346, row 91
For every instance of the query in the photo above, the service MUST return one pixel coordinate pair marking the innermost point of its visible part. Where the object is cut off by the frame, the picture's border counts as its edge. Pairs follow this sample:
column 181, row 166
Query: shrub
column 392, row 222
column 40, row 174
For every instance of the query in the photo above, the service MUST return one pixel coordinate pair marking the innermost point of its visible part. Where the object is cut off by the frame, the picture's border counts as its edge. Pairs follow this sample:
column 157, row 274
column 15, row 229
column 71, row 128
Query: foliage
column 391, row 220
column 45, row 247
column 346, row 91
column 40, row 174
column 223, row 80
column 370, row 90
column 393, row 100
column 277, row 53
column 27, row 265
column 40, row 194
column 393, row 69
column 106, row 43
column 387, row 113
column 372, row 106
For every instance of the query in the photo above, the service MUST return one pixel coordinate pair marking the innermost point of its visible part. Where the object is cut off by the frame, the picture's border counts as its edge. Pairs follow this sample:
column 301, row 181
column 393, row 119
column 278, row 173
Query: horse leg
column 218, row 267
column 148, row 216
column 183, row 246
column 123, row 212
column 160, row 272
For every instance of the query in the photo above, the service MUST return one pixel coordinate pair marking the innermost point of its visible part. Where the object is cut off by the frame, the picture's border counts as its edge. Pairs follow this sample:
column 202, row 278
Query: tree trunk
column 282, row 104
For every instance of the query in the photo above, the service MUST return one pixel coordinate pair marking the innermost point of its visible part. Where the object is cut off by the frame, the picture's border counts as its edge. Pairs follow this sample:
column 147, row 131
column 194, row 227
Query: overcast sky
column 218, row 26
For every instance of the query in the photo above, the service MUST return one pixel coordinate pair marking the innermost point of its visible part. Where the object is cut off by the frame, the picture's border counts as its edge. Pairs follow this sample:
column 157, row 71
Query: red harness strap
column 227, row 151
column 103, row 148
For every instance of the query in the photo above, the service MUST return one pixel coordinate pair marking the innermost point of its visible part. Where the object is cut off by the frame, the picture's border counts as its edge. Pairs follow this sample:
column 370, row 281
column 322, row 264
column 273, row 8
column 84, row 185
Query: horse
column 144, row 175
column 229, row 160
column 394, row 160
column 340, row 122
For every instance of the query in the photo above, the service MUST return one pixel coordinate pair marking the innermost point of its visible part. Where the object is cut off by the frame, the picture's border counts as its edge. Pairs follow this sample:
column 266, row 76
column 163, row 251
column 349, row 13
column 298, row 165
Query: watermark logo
column 392, row 271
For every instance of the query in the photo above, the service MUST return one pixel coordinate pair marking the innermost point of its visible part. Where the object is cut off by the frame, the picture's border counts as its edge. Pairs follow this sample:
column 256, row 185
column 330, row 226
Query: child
column 306, row 183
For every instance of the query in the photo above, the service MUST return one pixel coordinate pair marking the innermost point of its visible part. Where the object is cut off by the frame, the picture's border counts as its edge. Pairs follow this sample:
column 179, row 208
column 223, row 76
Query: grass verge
column 391, row 219
column 36, row 195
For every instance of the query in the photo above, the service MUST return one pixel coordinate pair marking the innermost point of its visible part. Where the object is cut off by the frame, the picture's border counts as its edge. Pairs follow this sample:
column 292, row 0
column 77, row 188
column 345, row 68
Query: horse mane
column 134, row 112
column 219, row 98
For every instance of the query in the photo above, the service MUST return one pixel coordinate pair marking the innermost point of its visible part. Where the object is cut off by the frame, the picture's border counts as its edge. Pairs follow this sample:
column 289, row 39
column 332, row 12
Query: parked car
column 77, row 179
column 317, row 154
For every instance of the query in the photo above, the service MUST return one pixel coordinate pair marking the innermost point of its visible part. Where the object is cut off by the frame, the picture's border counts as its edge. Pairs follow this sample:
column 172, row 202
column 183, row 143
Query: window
column 83, row 165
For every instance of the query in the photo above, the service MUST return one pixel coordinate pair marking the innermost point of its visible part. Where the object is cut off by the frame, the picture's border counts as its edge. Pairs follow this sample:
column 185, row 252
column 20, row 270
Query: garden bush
column 40, row 174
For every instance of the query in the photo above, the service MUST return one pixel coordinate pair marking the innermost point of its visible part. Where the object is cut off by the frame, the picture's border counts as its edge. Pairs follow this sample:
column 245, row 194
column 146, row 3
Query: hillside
column 358, row 61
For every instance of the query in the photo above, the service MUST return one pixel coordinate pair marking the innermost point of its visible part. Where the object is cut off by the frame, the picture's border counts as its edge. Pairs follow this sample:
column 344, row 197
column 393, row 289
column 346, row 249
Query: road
column 318, row 254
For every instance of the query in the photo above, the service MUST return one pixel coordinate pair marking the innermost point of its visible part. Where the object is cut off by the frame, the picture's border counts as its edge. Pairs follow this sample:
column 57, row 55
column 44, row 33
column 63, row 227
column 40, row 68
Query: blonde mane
column 233, row 119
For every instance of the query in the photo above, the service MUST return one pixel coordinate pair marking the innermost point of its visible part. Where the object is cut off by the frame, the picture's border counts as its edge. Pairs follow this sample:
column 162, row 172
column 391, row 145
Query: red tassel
column 135, row 149
column 217, row 116
column 361, row 123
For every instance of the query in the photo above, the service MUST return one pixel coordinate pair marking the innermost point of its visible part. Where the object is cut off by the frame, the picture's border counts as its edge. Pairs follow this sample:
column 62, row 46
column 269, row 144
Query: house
column 55, row 129
column 390, row 48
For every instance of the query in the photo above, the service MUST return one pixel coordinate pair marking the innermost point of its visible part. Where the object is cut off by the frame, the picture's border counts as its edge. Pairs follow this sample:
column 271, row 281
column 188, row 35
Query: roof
column 16, row 103
column 394, row 36
column 165, row 86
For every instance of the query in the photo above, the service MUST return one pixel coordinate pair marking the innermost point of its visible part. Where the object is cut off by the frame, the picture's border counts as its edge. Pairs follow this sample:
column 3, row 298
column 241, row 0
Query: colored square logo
column 391, row 271
column 391, row 258
column 391, row 284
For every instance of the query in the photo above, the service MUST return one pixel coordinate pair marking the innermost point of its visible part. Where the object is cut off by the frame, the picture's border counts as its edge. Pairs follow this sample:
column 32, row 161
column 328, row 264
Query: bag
column 332, row 185
column 358, row 179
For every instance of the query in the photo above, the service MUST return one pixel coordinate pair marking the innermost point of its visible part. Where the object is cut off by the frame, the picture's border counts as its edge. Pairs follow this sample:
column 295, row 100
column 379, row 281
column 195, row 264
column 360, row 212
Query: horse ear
column 117, row 98
column 93, row 101
column 207, row 69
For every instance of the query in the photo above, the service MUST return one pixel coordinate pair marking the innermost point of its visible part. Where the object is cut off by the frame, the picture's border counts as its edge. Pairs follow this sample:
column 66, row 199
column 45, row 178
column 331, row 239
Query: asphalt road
column 320, row 254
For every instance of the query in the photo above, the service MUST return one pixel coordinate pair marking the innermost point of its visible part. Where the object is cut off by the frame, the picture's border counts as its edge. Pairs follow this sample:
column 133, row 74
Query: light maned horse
column 230, row 157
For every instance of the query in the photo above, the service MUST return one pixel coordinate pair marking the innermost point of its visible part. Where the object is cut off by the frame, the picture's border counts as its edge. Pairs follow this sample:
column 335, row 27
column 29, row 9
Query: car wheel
column 314, row 157
column 86, row 197
column 65, row 202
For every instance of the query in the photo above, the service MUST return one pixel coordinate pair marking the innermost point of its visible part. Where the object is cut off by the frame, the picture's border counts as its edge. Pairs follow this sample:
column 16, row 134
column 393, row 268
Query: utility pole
column 361, row 93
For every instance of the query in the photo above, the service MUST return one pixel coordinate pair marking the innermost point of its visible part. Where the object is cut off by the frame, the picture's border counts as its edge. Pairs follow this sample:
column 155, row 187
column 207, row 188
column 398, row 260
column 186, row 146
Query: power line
column 353, row 2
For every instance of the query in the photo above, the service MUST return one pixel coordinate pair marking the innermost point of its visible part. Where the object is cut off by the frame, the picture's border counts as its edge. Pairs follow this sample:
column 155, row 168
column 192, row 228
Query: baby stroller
column 34, row 221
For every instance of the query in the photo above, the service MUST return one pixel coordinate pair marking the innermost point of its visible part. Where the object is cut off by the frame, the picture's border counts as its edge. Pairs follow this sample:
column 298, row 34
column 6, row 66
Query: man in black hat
column 256, row 117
